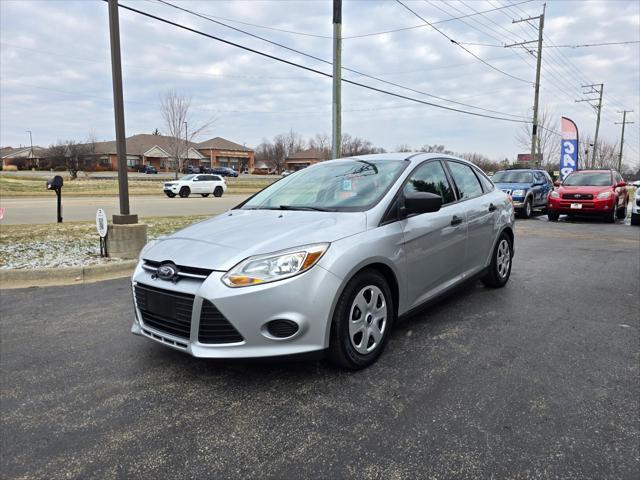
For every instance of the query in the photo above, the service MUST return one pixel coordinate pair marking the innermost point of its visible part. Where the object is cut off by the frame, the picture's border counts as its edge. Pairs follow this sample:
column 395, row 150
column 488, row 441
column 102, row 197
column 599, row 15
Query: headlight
column 274, row 266
column 518, row 193
column 604, row 195
column 554, row 194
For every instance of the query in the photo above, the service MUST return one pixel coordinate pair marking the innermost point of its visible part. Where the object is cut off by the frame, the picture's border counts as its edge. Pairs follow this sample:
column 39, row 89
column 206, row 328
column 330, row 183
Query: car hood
column 583, row 189
column 221, row 242
column 514, row 186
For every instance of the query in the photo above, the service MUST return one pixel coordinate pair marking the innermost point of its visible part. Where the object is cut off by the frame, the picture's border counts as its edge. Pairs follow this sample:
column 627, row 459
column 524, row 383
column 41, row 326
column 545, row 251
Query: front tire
column 553, row 216
column 500, row 268
column 526, row 210
column 362, row 321
column 184, row 192
column 622, row 212
column 635, row 219
column 217, row 192
column 610, row 217
column 170, row 194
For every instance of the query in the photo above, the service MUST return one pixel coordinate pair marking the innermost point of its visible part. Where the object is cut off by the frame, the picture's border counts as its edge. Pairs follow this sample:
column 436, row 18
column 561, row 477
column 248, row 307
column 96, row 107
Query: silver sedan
column 326, row 260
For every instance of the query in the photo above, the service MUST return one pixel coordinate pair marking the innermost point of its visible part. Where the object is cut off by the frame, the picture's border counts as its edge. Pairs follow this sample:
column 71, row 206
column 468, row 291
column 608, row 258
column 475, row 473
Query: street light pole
column 186, row 143
column 31, row 143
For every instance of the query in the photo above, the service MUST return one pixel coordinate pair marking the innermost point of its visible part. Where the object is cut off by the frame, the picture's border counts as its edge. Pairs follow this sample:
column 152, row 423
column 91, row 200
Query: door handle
column 492, row 207
column 456, row 221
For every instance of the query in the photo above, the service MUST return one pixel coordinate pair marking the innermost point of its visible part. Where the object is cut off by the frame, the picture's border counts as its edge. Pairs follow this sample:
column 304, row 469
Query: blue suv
column 528, row 187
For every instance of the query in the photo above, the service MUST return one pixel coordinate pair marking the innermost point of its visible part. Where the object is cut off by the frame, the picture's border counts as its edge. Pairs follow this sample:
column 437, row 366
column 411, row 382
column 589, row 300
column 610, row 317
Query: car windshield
column 512, row 177
column 341, row 185
column 187, row 177
column 594, row 179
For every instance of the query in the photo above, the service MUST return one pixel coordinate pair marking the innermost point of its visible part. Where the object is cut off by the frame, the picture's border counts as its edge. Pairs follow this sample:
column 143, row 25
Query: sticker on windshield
column 346, row 185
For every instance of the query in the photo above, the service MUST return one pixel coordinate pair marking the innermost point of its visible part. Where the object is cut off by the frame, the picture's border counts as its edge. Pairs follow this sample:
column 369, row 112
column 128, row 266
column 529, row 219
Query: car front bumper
column 587, row 207
column 305, row 299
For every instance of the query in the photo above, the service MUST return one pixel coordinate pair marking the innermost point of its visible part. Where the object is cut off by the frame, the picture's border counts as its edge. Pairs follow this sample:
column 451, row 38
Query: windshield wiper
column 304, row 207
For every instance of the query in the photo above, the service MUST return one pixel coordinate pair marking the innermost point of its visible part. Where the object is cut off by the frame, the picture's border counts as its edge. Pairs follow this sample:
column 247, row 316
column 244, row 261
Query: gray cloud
column 56, row 80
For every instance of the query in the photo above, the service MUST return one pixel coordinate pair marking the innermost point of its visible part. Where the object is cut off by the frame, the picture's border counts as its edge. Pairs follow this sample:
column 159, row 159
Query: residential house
column 23, row 157
column 304, row 158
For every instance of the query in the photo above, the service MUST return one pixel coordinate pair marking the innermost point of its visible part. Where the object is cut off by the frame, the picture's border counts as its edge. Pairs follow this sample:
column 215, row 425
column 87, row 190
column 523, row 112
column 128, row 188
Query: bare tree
column 548, row 140
column 352, row 146
column 179, row 124
column 322, row 143
column 403, row 147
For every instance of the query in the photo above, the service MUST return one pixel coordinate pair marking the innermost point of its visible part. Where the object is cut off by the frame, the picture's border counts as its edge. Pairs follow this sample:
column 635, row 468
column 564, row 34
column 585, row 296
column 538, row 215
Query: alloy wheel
column 503, row 260
column 368, row 319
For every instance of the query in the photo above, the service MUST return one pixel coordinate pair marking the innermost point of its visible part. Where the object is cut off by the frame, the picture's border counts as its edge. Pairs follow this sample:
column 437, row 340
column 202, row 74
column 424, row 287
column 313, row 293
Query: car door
column 434, row 242
column 539, row 189
column 481, row 215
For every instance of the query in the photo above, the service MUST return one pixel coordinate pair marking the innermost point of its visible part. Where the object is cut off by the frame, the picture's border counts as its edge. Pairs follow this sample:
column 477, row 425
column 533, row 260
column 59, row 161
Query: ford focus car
column 325, row 260
column 590, row 192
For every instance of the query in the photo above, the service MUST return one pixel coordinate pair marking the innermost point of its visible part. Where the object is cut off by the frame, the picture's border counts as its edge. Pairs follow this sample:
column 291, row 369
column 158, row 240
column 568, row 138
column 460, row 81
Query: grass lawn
column 16, row 186
column 68, row 244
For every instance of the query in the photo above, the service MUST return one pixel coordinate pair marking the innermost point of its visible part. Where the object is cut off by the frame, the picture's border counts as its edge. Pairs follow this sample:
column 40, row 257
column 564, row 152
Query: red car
column 589, row 192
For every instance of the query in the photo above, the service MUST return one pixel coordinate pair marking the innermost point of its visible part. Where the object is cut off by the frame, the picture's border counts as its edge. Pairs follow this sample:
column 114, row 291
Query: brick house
column 144, row 149
column 304, row 158
column 23, row 157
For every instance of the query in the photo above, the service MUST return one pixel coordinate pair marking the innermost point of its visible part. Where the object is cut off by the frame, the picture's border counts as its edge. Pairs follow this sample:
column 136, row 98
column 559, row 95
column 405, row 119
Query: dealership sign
column 569, row 147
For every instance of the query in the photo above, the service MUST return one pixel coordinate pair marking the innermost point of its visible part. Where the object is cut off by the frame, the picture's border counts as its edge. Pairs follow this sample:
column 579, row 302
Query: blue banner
column 569, row 147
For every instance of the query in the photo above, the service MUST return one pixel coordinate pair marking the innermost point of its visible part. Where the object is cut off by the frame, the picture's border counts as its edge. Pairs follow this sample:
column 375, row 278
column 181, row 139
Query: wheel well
column 509, row 233
column 389, row 276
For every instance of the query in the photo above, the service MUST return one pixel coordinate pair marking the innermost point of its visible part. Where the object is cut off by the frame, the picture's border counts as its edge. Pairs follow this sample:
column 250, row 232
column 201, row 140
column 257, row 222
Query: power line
column 357, row 72
column 561, row 46
column 309, row 69
column 461, row 46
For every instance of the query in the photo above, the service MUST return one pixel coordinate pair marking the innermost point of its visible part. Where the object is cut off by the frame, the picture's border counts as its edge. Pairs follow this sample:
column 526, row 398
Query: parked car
column 528, row 188
column 635, row 208
column 326, row 259
column 287, row 173
column 148, row 169
column 224, row 171
column 191, row 169
column 203, row 184
column 590, row 192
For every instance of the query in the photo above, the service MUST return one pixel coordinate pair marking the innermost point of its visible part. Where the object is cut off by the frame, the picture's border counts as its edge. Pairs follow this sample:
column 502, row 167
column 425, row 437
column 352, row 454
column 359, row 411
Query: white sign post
column 102, row 228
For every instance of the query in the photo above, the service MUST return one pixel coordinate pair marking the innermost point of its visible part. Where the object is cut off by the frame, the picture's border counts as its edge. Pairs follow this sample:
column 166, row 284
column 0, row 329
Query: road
column 536, row 380
column 33, row 210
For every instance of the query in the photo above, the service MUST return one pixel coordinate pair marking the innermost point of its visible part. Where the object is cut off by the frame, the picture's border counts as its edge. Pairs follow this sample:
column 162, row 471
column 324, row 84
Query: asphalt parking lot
column 537, row 380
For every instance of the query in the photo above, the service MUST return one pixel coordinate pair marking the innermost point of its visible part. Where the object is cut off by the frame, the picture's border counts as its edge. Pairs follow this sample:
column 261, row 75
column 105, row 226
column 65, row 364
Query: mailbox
column 55, row 183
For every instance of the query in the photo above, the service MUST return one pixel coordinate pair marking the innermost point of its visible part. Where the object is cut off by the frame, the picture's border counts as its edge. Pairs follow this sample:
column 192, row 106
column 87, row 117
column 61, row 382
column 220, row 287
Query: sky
column 55, row 70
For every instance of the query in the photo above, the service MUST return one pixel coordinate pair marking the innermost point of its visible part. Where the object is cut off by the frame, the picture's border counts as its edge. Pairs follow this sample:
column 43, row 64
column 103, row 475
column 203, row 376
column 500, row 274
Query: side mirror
column 421, row 202
column 621, row 184
column 556, row 183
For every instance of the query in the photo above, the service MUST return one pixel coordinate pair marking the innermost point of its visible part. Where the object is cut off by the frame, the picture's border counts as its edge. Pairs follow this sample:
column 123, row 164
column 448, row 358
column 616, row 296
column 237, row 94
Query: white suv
column 204, row 184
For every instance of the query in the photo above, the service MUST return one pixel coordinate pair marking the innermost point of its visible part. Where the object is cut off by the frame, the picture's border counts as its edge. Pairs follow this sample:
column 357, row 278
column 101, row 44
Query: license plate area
column 160, row 304
column 576, row 206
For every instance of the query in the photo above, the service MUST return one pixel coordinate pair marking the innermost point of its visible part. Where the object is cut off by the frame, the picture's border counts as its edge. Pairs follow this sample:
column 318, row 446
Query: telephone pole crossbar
column 534, row 128
column 597, row 88
column 623, row 123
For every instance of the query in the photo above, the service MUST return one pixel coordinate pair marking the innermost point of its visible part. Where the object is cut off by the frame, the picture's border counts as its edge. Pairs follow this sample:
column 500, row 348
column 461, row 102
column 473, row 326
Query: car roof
column 595, row 170
column 521, row 170
column 413, row 157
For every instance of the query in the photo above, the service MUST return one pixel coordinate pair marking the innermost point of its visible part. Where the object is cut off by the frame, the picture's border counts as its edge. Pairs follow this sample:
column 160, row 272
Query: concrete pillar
column 126, row 241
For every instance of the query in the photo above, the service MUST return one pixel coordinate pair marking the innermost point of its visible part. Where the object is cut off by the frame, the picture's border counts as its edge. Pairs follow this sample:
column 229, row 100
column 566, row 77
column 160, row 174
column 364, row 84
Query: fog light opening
column 282, row 328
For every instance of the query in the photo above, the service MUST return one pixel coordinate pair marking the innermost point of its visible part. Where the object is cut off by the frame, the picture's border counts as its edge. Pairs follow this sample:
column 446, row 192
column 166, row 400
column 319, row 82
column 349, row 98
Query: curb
column 47, row 277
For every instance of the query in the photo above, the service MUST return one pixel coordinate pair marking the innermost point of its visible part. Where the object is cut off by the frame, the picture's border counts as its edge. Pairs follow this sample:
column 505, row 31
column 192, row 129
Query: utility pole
column 125, row 216
column 534, row 129
column 31, row 143
column 623, row 123
column 186, row 143
column 336, row 131
column 596, row 88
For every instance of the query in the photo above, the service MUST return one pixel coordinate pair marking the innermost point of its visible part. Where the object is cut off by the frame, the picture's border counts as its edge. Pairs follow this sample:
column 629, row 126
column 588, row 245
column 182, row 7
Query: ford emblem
column 167, row 271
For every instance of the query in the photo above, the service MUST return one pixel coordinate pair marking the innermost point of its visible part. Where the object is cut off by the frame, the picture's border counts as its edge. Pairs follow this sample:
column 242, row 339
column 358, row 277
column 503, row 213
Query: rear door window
column 466, row 181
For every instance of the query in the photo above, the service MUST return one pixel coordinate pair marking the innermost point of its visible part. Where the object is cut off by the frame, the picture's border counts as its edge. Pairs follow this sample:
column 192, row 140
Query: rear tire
column 184, row 192
column 204, row 195
column 217, row 192
column 362, row 321
column 500, row 268
column 553, row 216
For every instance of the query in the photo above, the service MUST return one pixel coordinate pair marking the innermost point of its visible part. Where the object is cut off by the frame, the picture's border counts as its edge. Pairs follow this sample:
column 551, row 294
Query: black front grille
column 578, row 196
column 165, row 310
column 214, row 327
